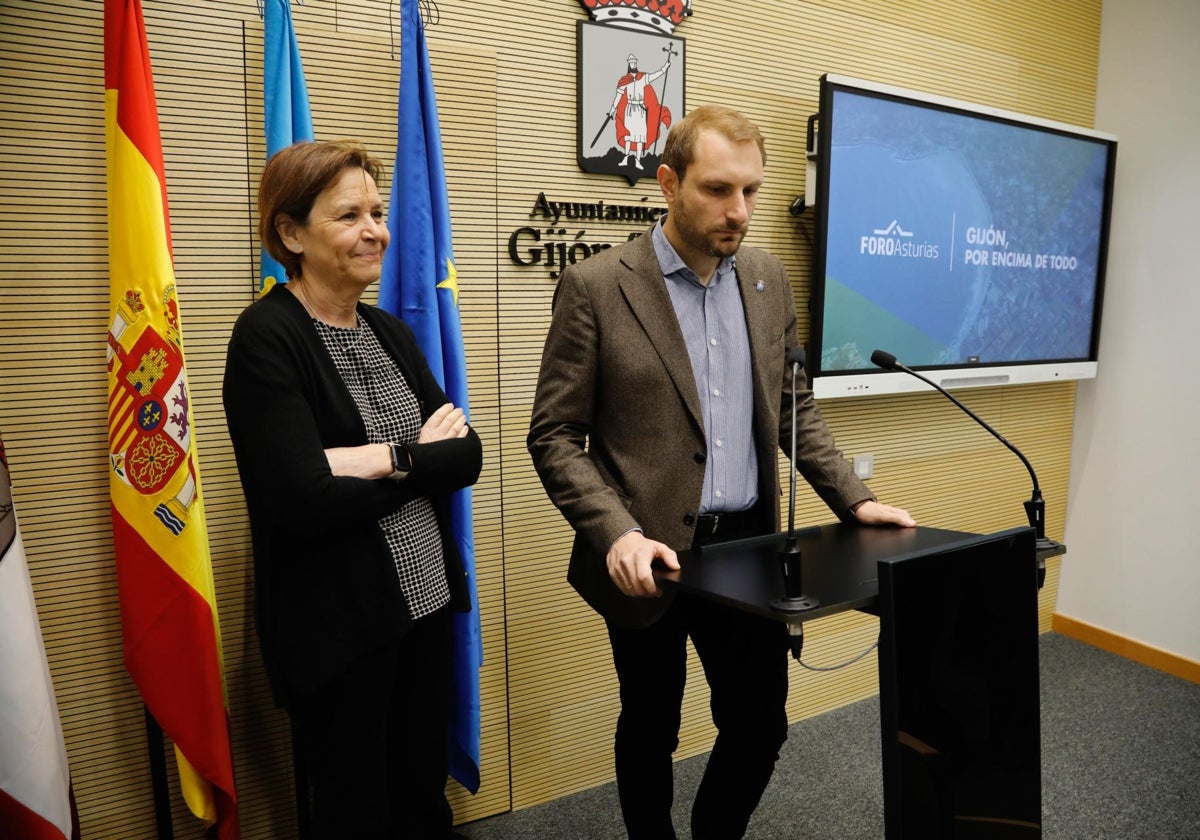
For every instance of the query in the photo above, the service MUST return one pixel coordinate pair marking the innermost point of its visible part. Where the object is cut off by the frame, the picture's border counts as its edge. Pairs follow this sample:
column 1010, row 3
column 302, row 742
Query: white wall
column 1133, row 522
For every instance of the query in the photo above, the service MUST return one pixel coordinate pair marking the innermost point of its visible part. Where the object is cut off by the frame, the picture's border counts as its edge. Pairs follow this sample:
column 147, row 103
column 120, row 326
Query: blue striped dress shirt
column 714, row 327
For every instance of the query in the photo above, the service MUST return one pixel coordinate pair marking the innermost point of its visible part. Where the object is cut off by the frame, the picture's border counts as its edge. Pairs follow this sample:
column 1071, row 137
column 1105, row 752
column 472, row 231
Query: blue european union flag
column 420, row 285
column 287, row 118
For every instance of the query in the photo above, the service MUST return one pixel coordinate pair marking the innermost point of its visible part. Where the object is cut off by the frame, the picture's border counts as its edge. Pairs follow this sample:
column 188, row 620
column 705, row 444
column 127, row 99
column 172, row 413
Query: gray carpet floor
column 1120, row 761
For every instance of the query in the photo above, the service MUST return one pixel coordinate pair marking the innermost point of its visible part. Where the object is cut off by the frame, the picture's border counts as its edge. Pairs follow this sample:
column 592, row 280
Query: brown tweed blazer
column 616, row 433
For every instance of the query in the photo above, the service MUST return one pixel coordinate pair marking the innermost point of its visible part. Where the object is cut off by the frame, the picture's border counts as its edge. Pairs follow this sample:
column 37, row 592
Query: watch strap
column 401, row 461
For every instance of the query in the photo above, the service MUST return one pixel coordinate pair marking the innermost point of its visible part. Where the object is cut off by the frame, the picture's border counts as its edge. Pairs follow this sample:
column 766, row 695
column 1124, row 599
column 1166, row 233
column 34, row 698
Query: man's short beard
column 719, row 250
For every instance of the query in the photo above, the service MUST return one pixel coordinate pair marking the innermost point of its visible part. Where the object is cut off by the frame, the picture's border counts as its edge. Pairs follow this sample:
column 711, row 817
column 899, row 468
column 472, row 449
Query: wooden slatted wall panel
column 506, row 86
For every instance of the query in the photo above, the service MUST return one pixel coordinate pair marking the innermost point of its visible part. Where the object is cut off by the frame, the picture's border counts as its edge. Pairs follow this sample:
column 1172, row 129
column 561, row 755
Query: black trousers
column 375, row 739
column 745, row 664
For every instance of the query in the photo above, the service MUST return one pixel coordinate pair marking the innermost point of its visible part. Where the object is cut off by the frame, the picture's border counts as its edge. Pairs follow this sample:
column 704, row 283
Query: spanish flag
column 160, row 538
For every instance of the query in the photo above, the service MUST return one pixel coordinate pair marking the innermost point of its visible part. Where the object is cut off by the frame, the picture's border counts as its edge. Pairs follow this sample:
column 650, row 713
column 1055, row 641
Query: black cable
column 845, row 664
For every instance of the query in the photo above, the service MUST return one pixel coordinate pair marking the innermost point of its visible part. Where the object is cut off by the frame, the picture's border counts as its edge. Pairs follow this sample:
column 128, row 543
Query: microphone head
column 794, row 355
column 883, row 359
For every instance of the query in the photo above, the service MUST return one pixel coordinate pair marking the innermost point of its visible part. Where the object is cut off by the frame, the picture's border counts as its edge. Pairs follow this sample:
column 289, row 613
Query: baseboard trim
column 1162, row 660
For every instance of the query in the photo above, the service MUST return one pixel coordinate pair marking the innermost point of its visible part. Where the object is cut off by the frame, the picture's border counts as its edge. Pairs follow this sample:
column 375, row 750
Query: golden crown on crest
column 659, row 16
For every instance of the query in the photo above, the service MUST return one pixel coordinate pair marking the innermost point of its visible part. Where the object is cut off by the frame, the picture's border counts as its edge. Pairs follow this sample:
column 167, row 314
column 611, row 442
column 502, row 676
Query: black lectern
column 958, row 660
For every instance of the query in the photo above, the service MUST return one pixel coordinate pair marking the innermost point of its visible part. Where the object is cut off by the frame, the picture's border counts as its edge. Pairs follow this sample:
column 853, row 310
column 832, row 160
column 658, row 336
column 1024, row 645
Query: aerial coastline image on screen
column 955, row 240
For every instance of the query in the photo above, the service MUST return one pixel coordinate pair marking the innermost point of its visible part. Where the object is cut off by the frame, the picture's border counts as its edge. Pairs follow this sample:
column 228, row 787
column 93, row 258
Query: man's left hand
column 875, row 513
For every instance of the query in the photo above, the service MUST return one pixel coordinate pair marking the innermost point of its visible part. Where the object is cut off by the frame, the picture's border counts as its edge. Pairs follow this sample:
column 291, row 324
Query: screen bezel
column 829, row 384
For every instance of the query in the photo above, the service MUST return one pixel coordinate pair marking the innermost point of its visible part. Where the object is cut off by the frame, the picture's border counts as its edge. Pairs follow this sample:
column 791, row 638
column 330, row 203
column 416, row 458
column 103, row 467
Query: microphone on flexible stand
column 1035, row 508
column 794, row 601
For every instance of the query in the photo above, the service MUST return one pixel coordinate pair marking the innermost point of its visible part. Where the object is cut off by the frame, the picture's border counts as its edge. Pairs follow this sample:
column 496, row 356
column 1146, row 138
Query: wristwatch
column 401, row 461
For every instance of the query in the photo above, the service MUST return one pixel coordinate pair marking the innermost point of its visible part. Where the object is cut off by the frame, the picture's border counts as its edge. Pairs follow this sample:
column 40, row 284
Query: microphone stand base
column 1045, row 547
column 790, row 606
column 1046, row 544
column 794, row 600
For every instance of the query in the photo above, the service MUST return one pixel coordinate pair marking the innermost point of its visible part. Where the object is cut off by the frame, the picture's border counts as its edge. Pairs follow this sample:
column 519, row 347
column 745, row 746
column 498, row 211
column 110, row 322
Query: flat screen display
column 968, row 242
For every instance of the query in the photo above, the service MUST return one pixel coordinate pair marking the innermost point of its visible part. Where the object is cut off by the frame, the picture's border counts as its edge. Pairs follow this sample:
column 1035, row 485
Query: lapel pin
column 758, row 287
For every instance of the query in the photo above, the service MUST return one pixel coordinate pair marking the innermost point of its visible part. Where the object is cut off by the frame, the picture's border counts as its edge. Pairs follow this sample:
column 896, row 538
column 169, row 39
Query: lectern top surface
column 839, row 565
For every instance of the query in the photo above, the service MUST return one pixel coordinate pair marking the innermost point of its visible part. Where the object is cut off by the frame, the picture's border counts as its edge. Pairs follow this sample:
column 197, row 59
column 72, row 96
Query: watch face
column 401, row 458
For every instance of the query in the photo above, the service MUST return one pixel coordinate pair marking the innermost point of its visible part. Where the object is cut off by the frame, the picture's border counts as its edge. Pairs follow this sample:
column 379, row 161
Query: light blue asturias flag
column 420, row 286
column 287, row 118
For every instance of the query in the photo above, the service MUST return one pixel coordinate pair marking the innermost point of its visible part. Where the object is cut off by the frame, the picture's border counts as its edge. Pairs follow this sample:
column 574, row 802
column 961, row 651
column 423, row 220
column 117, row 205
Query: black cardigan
column 326, row 587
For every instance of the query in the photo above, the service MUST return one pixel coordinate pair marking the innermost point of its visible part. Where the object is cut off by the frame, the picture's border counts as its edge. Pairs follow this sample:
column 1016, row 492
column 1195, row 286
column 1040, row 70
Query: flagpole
column 156, row 746
column 303, row 791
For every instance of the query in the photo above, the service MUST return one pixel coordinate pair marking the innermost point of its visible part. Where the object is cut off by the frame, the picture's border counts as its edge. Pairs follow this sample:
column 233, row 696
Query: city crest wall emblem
column 630, row 85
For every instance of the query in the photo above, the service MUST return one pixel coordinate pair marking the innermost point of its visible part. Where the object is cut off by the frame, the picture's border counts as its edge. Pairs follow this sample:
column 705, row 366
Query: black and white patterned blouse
column 391, row 414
